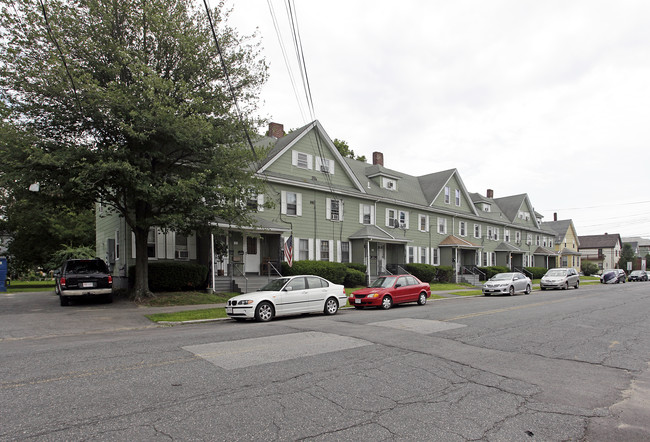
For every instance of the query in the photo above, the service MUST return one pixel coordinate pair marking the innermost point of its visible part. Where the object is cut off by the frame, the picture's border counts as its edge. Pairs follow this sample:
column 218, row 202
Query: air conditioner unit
column 182, row 254
column 335, row 216
column 402, row 225
column 390, row 184
column 324, row 168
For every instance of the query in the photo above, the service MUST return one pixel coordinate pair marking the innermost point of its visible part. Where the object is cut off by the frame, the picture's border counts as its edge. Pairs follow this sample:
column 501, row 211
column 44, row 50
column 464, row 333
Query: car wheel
column 386, row 303
column 542, row 288
column 578, row 284
column 331, row 306
column 566, row 285
column 511, row 290
column 264, row 312
column 64, row 301
column 422, row 299
column 108, row 299
column 528, row 290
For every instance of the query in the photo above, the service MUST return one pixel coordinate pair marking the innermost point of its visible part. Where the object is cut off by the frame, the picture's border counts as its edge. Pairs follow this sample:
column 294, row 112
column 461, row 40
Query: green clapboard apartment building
column 343, row 210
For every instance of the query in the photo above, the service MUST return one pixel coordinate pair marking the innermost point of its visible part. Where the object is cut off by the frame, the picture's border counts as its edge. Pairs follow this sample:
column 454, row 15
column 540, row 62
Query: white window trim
column 283, row 203
column 328, row 209
column 294, row 159
column 480, row 232
column 435, row 256
column 462, row 228
column 329, row 164
column 426, row 222
column 372, row 213
column 442, row 231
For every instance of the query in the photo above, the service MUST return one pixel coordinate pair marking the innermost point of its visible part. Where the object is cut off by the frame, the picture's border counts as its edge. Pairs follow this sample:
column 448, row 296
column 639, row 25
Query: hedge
column 355, row 278
column 423, row 272
column 170, row 276
column 537, row 272
column 493, row 270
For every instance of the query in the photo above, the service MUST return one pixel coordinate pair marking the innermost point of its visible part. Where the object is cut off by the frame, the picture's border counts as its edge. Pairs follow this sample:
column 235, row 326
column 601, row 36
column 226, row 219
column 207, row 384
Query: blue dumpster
column 3, row 274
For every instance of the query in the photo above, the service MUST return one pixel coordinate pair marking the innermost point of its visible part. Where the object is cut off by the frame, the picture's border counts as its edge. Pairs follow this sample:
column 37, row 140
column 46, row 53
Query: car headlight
column 373, row 295
column 244, row 302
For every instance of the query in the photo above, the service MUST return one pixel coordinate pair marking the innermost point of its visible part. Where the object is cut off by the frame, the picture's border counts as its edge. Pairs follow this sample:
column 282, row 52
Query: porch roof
column 454, row 241
column 505, row 247
column 259, row 225
column 374, row 233
column 544, row 251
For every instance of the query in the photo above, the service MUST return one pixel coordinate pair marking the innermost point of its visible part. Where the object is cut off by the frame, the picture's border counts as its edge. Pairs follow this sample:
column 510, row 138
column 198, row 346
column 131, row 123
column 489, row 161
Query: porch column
column 213, row 266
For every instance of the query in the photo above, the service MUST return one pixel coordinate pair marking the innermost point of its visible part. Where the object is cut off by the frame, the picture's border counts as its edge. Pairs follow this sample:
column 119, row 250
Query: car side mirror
column 398, row 285
column 288, row 288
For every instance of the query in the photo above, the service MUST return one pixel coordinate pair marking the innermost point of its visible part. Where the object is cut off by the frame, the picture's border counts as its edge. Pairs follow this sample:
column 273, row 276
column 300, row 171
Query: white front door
column 252, row 255
column 381, row 258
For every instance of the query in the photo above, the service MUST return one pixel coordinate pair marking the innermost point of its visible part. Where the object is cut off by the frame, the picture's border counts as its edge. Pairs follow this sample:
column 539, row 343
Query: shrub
column 589, row 268
column 444, row 273
column 332, row 271
column 356, row 266
column 537, row 272
column 354, row 278
column 423, row 272
column 169, row 276
column 493, row 270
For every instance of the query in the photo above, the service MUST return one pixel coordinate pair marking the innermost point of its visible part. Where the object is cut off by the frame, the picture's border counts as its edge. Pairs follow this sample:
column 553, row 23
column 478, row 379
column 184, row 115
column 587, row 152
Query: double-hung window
column 477, row 230
column 303, row 249
column 462, row 228
column 442, row 226
column 324, row 250
column 457, row 197
column 447, row 195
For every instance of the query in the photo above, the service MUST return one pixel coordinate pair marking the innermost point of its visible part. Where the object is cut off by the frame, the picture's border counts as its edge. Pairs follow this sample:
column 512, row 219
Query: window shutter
column 294, row 158
column 361, row 214
column 283, row 202
column 191, row 245
column 387, row 218
column 299, row 204
column 341, row 206
column 311, row 248
column 331, row 241
column 372, row 215
column 328, row 208
column 170, row 242
column 260, row 202
column 160, row 244
column 338, row 251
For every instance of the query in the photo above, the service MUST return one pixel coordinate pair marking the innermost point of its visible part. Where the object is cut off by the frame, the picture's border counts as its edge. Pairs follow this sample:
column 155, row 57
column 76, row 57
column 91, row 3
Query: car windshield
column 501, row 277
column 274, row 285
column 635, row 273
column 556, row 273
column 608, row 271
column 383, row 282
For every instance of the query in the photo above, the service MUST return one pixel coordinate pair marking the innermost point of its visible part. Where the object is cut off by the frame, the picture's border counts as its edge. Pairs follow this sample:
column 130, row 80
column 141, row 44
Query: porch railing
column 401, row 270
column 523, row 270
column 272, row 267
column 473, row 270
column 235, row 268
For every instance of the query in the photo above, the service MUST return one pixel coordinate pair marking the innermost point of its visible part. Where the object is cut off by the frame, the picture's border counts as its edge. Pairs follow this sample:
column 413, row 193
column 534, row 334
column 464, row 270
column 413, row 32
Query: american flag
column 288, row 251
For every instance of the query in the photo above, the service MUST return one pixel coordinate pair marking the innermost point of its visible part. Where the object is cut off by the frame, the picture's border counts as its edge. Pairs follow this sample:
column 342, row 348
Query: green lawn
column 189, row 315
column 187, row 298
column 30, row 286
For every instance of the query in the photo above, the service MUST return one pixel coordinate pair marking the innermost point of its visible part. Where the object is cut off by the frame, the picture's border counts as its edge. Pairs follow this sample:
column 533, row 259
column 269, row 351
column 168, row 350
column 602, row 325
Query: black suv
column 84, row 277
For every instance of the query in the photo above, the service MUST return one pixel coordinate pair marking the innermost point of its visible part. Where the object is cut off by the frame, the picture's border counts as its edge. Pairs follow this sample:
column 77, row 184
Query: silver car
column 507, row 283
column 561, row 278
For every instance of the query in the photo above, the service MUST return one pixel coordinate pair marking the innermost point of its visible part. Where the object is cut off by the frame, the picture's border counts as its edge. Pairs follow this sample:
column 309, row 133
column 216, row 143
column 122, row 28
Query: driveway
column 39, row 315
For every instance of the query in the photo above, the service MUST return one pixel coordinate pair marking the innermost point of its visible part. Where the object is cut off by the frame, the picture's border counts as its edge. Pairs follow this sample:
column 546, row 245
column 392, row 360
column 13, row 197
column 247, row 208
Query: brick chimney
column 378, row 158
column 554, row 216
column 490, row 193
column 276, row 130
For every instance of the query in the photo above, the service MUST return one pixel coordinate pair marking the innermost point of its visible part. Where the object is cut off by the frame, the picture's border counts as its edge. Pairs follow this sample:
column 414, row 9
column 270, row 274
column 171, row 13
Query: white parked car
column 507, row 283
column 288, row 296
column 560, row 278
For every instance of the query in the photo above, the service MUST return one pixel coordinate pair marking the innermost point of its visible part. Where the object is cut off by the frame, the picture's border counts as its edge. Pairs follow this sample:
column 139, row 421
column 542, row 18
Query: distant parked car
column 638, row 275
column 613, row 276
column 560, row 278
column 387, row 291
column 288, row 296
column 507, row 283
column 84, row 278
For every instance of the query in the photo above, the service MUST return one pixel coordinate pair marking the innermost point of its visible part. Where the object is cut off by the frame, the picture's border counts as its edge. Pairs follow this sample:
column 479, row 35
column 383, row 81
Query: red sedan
column 388, row 290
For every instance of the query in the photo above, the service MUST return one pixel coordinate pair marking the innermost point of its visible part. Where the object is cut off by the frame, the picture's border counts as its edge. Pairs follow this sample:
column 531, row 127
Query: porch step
column 471, row 279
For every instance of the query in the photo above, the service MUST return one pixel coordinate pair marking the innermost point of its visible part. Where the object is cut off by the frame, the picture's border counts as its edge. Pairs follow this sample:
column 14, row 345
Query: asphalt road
column 558, row 365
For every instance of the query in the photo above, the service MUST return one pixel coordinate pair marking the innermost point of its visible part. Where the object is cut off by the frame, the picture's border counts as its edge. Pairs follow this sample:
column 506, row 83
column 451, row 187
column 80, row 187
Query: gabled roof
column 510, row 206
column 434, row 183
column 544, row 251
column 454, row 241
column 560, row 228
column 505, row 247
column 606, row 241
column 285, row 143
column 372, row 232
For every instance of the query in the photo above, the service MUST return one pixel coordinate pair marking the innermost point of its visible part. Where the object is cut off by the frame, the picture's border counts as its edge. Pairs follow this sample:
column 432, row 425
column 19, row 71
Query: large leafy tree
column 126, row 102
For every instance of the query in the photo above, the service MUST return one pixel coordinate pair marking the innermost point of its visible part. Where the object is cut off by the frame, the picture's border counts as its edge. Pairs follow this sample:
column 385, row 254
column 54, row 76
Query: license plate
column 228, row 310
column 357, row 301
column 87, row 284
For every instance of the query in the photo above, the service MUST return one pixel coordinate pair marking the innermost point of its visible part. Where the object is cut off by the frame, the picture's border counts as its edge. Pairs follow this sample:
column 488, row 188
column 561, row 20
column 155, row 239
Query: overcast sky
column 548, row 98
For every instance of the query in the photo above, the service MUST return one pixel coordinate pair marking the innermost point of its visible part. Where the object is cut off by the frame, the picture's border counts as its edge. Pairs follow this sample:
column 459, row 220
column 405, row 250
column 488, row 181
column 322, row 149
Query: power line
column 597, row 207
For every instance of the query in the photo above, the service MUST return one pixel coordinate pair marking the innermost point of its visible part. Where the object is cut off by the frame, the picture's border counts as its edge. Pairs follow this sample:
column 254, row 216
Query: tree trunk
column 141, row 285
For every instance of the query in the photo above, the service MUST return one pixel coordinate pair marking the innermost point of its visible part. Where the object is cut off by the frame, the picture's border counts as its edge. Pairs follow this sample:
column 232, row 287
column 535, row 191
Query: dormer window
column 390, row 184
column 487, row 207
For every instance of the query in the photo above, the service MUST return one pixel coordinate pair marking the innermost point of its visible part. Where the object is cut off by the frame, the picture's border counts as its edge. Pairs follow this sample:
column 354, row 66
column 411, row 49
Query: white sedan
column 288, row 296
column 507, row 283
